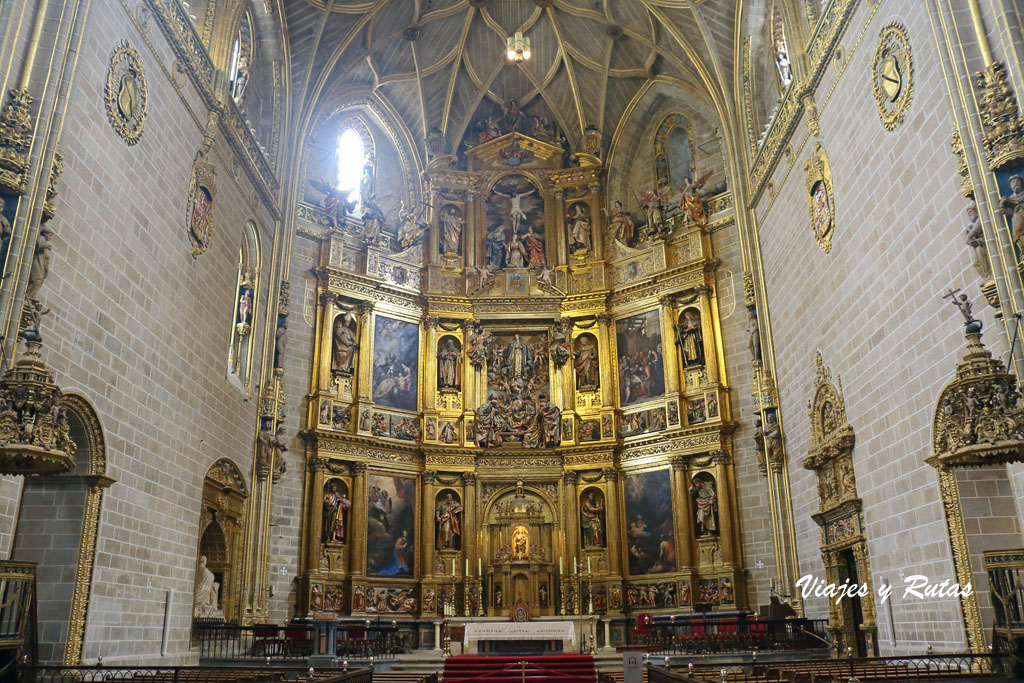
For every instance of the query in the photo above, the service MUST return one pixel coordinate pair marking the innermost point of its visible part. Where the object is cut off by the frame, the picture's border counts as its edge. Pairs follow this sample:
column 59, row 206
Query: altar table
column 520, row 630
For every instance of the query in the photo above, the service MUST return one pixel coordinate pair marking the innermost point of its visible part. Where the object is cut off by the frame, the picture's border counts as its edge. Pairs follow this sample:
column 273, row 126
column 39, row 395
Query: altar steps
column 537, row 669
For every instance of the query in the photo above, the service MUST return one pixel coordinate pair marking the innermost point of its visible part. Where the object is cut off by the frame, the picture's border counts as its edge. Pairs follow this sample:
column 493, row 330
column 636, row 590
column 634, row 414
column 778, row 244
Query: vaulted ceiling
column 434, row 62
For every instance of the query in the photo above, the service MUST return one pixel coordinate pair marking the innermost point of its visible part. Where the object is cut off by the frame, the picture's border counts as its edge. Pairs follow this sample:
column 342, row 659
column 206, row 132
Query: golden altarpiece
column 509, row 404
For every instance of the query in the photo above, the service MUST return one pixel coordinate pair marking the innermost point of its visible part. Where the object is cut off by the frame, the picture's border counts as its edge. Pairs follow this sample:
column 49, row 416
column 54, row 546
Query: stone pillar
column 684, row 519
column 615, row 526
column 726, row 521
column 357, row 559
column 427, row 526
column 469, row 523
column 572, row 522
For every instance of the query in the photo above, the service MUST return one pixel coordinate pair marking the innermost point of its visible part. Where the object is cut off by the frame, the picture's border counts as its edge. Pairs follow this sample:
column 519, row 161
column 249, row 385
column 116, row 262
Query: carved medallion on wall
column 201, row 191
column 818, row 179
column 125, row 92
column 892, row 75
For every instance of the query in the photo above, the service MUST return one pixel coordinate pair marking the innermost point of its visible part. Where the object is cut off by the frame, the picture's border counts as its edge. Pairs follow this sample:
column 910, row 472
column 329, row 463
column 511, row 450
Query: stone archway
column 221, row 534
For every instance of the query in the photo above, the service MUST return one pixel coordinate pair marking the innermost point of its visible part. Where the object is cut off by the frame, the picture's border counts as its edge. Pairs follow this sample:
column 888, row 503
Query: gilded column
column 430, row 366
column 614, row 527
column 427, row 526
column 316, row 466
column 470, row 532
column 572, row 543
column 365, row 350
column 673, row 383
column 596, row 236
column 684, row 520
column 561, row 254
column 604, row 341
column 727, row 527
column 328, row 303
column 708, row 334
column 357, row 560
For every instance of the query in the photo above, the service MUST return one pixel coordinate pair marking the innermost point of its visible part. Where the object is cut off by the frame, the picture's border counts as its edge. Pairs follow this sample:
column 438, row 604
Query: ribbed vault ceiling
column 435, row 61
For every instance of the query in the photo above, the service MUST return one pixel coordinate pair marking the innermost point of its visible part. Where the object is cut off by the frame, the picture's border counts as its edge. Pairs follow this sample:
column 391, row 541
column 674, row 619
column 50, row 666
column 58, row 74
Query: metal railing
column 862, row 668
column 191, row 674
column 17, row 614
column 741, row 633
column 270, row 642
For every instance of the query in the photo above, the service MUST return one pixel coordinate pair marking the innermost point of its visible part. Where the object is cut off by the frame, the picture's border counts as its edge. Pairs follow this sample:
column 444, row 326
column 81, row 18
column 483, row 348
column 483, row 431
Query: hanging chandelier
column 518, row 48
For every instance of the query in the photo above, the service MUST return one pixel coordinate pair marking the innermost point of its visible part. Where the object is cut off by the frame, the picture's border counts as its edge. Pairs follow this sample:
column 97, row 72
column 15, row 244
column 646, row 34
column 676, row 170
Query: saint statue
column 691, row 338
column 621, row 223
column 691, row 203
column 410, row 226
column 449, row 532
column 703, row 492
column 280, row 342
column 487, row 424
column 586, row 363
column 534, row 248
column 495, row 244
column 373, row 220
column 1012, row 207
column 449, row 366
column 265, row 447
column 976, row 241
column 654, row 208
column 753, row 335
column 578, row 220
column 40, row 263
column 344, row 346
column 207, row 594
column 772, row 440
column 592, row 521
column 245, row 307
column 5, row 229
column 515, row 253
column 517, row 358
column 336, row 507
column 451, row 231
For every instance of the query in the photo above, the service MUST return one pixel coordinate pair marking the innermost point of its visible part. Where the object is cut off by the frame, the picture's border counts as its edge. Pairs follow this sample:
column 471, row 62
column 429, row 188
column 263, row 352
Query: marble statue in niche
column 705, row 499
column 344, row 344
column 578, row 222
column 691, row 338
column 336, row 506
column 449, row 364
column 451, row 230
column 447, row 515
column 207, row 594
column 592, row 529
column 586, row 362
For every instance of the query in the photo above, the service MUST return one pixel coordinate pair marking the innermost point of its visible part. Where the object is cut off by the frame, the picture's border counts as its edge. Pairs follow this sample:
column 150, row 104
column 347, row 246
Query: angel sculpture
column 336, row 203
column 484, row 273
column 691, row 203
column 544, row 274
column 410, row 226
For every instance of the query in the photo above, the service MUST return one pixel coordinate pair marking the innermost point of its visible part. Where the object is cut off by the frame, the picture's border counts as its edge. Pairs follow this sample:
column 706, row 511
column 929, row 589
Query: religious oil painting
column 649, row 528
column 515, row 235
column 390, row 525
column 396, row 346
column 641, row 358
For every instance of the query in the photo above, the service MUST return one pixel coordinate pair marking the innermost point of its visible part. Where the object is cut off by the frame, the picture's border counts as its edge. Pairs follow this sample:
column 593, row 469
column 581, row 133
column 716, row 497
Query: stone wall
column 873, row 307
column 141, row 329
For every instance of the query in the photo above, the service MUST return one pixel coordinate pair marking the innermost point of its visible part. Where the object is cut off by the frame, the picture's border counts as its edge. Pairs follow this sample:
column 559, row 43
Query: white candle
column 479, row 567
column 588, row 565
column 575, row 567
column 467, row 566
column 561, row 569
column 453, row 566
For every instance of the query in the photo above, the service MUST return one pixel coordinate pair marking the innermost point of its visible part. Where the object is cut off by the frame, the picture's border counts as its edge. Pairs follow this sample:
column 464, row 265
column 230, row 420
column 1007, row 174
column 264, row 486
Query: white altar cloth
column 520, row 630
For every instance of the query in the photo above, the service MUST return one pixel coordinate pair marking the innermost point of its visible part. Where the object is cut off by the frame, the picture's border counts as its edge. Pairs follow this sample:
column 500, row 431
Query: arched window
column 351, row 160
column 241, row 59
column 247, row 290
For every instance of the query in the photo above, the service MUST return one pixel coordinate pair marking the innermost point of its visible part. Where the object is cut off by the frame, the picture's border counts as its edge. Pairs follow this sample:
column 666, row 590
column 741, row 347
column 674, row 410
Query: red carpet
column 539, row 669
